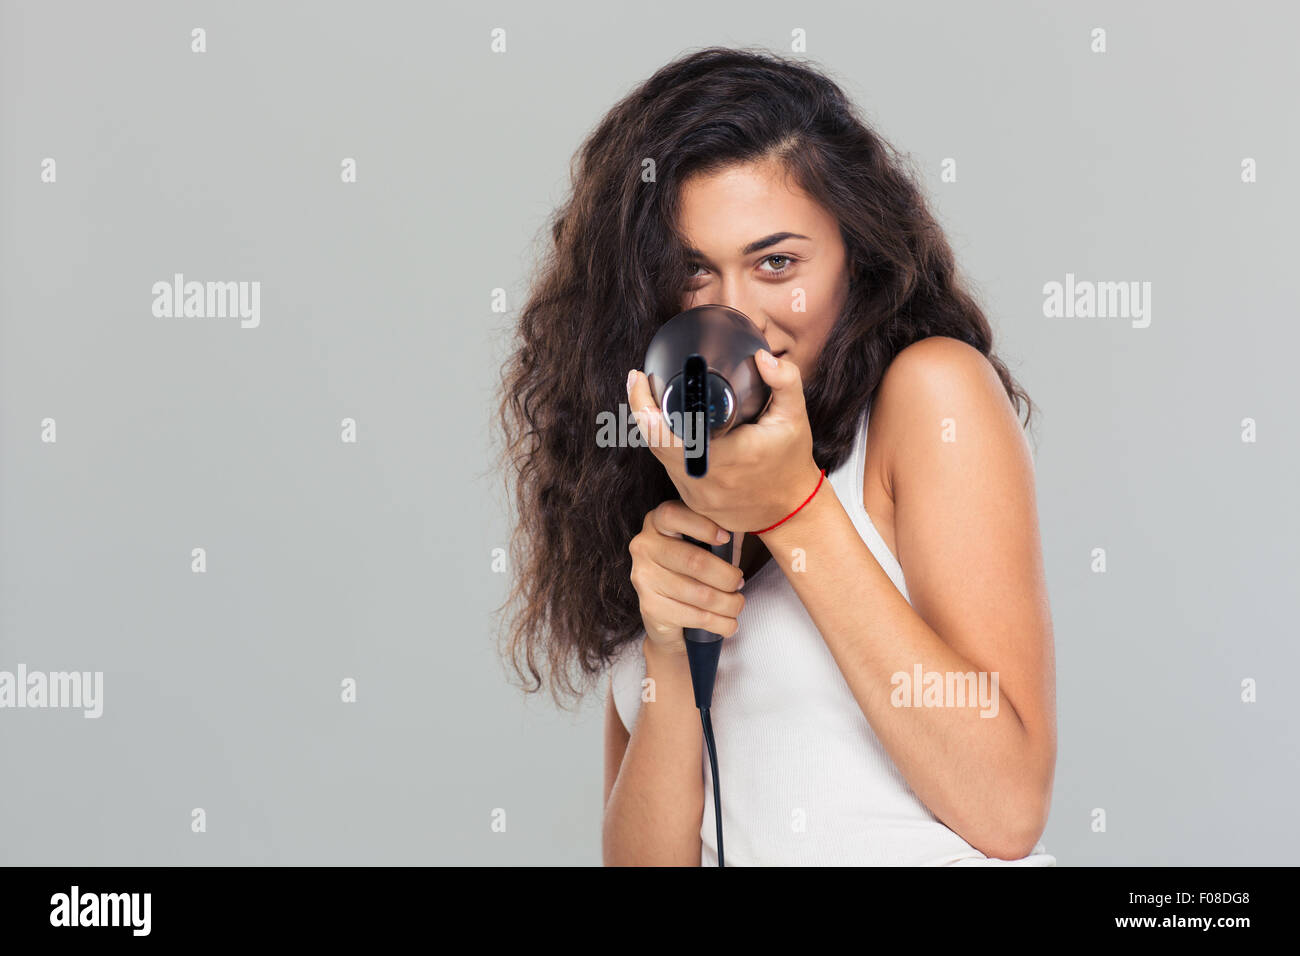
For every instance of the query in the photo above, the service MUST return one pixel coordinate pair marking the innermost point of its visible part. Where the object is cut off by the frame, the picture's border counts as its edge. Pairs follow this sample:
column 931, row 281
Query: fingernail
column 767, row 358
column 741, row 584
column 723, row 537
column 631, row 377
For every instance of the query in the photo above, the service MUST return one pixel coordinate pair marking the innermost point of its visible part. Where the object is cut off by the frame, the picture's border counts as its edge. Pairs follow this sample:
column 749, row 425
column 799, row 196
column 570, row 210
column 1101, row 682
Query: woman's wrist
column 794, row 526
column 663, row 654
column 670, row 670
column 808, row 489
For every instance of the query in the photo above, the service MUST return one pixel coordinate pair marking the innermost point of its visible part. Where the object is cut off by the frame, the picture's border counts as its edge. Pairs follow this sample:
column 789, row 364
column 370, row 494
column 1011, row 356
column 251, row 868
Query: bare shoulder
column 937, row 368
column 936, row 390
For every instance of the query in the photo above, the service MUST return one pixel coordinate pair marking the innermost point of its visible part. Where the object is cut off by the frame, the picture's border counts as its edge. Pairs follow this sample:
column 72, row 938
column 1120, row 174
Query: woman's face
column 763, row 246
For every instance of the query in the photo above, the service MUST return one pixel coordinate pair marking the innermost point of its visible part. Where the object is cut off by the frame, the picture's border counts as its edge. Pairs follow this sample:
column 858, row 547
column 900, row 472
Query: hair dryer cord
column 713, row 763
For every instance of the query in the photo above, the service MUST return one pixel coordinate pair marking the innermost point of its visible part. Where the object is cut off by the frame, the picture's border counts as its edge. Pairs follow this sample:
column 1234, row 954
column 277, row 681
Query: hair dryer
column 702, row 372
column 703, row 375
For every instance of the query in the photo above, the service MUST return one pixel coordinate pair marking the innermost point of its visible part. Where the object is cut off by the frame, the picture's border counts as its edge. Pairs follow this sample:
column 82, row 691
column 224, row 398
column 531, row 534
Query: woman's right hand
column 680, row 584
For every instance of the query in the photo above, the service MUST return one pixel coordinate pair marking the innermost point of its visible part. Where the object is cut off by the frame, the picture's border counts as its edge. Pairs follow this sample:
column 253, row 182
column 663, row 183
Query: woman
column 740, row 178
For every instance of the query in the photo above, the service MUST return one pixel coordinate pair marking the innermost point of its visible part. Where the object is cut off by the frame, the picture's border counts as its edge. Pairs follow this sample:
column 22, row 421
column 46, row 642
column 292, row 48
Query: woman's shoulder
column 937, row 365
column 928, row 389
column 933, row 392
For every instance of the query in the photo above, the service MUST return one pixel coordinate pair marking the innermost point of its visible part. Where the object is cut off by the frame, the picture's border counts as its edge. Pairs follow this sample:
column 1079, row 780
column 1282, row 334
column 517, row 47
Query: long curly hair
column 613, row 273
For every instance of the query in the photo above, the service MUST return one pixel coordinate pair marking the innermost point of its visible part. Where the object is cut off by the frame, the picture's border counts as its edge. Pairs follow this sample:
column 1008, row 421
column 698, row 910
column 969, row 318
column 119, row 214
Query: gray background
column 372, row 561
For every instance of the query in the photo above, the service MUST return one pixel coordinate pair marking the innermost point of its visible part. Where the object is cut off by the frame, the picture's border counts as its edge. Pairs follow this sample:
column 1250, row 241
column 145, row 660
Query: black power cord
column 713, row 762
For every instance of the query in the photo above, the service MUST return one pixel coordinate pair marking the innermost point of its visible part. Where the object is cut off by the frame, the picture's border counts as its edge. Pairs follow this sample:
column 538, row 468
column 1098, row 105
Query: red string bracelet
column 796, row 510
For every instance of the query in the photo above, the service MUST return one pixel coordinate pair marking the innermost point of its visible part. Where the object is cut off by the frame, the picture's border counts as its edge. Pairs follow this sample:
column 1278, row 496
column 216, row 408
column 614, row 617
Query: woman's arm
column 654, row 780
column 965, row 519
column 616, row 737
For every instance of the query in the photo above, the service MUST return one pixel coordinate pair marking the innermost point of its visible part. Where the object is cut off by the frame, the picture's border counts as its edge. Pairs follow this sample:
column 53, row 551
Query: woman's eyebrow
column 756, row 245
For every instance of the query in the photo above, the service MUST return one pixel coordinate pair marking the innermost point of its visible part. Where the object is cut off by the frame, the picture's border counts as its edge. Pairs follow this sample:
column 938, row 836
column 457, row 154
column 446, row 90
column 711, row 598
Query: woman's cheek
column 815, row 299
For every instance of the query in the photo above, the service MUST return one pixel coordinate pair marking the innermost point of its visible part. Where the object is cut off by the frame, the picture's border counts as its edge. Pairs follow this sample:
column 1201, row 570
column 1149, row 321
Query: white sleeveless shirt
column 804, row 779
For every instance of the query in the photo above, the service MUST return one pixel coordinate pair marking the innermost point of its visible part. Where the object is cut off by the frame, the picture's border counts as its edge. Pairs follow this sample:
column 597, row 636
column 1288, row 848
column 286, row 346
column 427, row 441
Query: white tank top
column 804, row 779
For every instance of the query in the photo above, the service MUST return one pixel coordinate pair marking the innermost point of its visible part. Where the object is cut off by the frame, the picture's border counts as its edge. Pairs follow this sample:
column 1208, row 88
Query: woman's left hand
column 758, row 473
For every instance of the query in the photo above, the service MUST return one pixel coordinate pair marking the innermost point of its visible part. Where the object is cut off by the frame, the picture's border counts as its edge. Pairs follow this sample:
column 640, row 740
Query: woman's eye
column 782, row 264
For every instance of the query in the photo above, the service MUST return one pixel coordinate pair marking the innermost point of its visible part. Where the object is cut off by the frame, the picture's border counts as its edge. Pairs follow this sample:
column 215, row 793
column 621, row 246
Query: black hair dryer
column 704, row 377
column 705, row 380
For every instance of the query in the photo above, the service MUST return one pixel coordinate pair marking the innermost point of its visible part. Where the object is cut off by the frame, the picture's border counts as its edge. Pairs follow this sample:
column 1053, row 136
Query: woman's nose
column 733, row 298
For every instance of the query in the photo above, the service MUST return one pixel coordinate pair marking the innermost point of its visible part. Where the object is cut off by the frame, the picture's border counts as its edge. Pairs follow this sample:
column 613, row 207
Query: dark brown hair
column 615, row 271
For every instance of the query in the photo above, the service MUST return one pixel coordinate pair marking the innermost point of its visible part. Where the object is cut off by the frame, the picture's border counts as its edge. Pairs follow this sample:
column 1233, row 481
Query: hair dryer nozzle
column 702, row 373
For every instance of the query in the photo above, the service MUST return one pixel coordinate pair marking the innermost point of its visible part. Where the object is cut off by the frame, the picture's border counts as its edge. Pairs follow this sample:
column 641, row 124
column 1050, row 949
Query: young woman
column 740, row 178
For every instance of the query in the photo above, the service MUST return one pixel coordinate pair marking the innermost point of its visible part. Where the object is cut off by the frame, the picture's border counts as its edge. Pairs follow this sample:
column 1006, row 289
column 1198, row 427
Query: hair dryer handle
column 724, row 552
column 703, row 648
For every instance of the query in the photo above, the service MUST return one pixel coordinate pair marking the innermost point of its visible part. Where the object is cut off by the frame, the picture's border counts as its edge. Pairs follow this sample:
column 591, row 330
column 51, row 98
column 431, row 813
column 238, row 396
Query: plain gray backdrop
column 328, row 560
